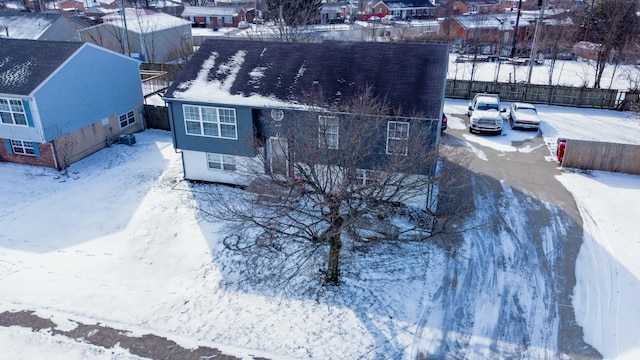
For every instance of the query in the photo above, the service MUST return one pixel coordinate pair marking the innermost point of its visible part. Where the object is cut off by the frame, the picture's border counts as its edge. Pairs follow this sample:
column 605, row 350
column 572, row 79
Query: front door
column 278, row 150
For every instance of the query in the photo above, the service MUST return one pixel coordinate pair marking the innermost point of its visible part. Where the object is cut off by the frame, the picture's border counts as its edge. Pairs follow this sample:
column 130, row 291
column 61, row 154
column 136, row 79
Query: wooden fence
column 541, row 94
column 594, row 155
column 156, row 117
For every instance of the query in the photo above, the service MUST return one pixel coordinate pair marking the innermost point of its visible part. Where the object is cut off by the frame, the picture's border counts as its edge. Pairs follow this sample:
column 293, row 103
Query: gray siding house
column 150, row 36
column 61, row 101
column 235, row 97
column 40, row 26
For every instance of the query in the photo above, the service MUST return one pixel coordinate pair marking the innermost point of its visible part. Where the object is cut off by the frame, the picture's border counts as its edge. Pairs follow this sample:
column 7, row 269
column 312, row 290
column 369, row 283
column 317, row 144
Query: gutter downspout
column 55, row 157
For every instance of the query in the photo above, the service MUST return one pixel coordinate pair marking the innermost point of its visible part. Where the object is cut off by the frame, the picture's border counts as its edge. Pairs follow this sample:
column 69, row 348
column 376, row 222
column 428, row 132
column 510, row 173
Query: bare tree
column 555, row 41
column 291, row 19
column 106, row 35
column 65, row 147
column 344, row 173
column 611, row 24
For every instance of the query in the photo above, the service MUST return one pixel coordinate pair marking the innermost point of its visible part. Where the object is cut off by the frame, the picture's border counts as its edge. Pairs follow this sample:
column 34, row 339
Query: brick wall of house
column 77, row 145
column 45, row 159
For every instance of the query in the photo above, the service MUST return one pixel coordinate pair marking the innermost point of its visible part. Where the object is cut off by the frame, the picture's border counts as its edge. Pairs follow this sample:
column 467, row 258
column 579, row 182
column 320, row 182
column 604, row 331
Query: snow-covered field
column 119, row 243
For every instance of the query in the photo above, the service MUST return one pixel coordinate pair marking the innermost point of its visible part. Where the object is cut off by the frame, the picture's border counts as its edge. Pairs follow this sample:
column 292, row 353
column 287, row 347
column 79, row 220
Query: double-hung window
column 328, row 131
column 221, row 162
column 23, row 147
column 210, row 121
column 12, row 112
column 127, row 119
column 397, row 138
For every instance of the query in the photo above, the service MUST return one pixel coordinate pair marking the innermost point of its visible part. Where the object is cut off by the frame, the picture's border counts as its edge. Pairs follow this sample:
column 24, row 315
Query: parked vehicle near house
column 388, row 19
column 523, row 116
column 485, row 113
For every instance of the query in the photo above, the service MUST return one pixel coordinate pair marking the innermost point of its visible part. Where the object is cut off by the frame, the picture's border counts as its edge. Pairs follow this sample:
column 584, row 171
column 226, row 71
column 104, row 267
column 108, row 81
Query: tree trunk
column 332, row 276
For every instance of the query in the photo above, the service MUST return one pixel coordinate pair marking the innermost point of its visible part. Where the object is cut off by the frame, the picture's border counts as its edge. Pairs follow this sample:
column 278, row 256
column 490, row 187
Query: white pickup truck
column 485, row 113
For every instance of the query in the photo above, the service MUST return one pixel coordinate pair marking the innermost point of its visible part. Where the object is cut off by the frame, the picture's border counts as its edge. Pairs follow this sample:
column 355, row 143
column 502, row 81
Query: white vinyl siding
column 221, row 162
column 210, row 121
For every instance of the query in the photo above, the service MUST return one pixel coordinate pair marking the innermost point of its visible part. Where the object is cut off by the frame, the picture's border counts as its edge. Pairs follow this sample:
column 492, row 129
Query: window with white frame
column 397, row 138
column 328, row 132
column 12, row 112
column 23, row 147
column 127, row 119
column 210, row 121
column 221, row 162
column 365, row 177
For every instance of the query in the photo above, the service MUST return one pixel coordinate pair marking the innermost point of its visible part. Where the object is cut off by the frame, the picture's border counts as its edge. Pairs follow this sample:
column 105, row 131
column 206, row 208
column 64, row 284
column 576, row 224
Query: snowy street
column 537, row 275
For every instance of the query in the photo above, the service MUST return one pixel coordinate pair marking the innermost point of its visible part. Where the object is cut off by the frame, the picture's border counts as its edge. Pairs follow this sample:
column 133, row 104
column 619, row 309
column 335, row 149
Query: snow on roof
column 210, row 11
column 144, row 21
column 276, row 74
column 203, row 89
column 408, row 4
column 22, row 25
column 495, row 21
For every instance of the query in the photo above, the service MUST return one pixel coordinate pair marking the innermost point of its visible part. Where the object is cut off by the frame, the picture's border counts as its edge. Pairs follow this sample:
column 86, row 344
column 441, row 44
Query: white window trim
column 127, row 117
column 9, row 110
column 217, row 121
column 396, row 138
column 326, row 124
column 365, row 176
column 223, row 160
column 24, row 146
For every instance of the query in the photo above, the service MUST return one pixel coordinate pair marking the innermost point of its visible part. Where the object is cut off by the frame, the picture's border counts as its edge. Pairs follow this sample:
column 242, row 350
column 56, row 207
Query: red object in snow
column 562, row 143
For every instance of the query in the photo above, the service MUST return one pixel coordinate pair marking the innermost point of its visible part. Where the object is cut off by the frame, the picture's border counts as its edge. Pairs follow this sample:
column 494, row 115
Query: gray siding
column 63, row 30
column 243, row 146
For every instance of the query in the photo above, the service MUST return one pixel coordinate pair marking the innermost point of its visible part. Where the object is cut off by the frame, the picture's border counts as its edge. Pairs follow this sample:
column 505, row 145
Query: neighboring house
column 214, row 16
column 71, row 5
column 484, row 6
column 150, row 36
column 333, row 13
column 227, row 104
column 479, row 29
column 61, row 101
column 405, row 9
column 39, row 26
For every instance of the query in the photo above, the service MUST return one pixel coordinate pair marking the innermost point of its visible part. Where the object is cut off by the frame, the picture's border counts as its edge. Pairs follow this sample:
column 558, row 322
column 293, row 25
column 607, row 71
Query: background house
column 235, row 94
column 405, row 9
column 215, row 16
column 150, row 36
column 40, row 26
column 61, row 101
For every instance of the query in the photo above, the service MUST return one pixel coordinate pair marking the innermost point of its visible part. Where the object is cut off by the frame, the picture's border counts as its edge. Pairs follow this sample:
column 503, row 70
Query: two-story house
column 62, row 101
column 234, row 97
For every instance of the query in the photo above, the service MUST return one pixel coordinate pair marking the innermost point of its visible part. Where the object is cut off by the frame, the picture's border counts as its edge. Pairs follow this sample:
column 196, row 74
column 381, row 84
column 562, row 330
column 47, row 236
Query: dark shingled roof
column 25, row 64
column 410, row 76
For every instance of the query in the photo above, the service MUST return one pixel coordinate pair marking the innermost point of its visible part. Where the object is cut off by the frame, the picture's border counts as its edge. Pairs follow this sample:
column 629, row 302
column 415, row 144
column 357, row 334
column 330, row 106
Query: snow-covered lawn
column 119, row 243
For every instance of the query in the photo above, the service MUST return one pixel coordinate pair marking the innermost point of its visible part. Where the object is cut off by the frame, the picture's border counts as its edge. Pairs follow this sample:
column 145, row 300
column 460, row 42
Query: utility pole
column 535, row 41
column 126, row 31
column 515, row 31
